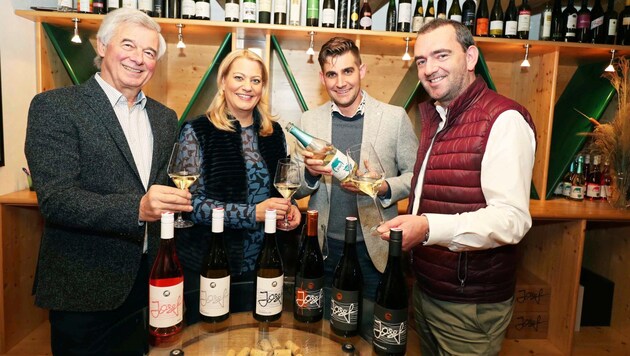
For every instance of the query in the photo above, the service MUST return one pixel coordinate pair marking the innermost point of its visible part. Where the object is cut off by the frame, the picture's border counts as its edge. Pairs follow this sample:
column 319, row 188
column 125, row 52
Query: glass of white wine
column 287, row 181
column 368, row 175
column 183, row 169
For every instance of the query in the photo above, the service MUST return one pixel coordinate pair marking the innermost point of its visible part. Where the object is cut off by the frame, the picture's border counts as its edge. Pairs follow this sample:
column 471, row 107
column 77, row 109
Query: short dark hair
column 337, row 46
column 464, row 37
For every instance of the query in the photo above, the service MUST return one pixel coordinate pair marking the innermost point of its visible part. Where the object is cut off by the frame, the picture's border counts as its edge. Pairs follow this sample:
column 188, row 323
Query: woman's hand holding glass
column 287, row 181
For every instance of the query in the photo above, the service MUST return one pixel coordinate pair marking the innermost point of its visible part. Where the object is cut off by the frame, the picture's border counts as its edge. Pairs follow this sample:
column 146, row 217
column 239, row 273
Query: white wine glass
column 368, row 175
column 183, row 169
column 287, row 181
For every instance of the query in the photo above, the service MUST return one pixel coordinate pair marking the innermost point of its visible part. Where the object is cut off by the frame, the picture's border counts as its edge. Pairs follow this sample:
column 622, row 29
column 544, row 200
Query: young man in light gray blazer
column 353, row 117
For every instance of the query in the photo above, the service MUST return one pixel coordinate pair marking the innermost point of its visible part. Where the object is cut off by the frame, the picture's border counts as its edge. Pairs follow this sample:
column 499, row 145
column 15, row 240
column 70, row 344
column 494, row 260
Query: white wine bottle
column 342, row 165
column 214, row 280
column 269, row 275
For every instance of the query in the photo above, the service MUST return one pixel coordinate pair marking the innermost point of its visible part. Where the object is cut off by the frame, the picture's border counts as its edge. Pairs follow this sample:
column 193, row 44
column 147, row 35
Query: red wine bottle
column 346, row 300
column 214, row 280
column 166, row 288
column 365, row 16
column 308, row 303
column 390, row 306
column 269, row 275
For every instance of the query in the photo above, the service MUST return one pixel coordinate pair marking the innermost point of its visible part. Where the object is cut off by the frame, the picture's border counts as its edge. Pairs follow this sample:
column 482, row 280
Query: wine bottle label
column 390, row 329
column 584, row 21
column 626, row 21
column 166, row 304
column 510, row 28
column 344, row 309
column 441, row 15
column 269, row 295
column 604, row 191
column 577, row 192
column 202, row 9
column 85, row 6
column 231, row 10
column 566, row 189
column 572, row 23
column 612, row 27
column 354, row 16
column 249, row 11
column 365, row 22
column 456, row 18
column 418, row 21
column 214, row 296
column 145, row 5
column 341, row 165
column 294, row 16
column 496, row 27
column 597, row 22
column 188, row 8
column 131, row 4
column 280, row 6
column 482, row 26
column 468, row 18
column 404, row 12
column 309, row 296
column 523, row 20
column 546, row 28
column 264, row 5
column 328, row 17
column 593, row 190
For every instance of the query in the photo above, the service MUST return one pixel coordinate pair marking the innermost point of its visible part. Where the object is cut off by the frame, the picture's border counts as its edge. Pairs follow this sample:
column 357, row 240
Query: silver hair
column 121, row 16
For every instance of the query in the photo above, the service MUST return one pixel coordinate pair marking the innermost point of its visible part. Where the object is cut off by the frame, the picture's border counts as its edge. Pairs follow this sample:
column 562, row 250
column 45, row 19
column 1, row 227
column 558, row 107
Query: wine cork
column 231, row 352
column 295, row 349
column 265, row 345
column 274, row 342
column 244, row 351
column 257, row 352
column 281, row 352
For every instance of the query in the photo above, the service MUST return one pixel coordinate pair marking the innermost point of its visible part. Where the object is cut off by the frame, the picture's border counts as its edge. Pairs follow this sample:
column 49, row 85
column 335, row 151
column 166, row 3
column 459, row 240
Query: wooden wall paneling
column 552, row 250
column 52, row 72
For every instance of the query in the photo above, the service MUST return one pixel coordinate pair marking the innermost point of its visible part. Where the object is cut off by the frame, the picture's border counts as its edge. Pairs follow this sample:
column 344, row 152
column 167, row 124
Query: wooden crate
column 532, row 294
column 528, row 325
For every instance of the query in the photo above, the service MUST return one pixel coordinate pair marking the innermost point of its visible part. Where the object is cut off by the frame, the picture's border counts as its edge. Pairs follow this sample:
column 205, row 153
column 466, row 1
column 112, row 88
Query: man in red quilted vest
column 469, row 202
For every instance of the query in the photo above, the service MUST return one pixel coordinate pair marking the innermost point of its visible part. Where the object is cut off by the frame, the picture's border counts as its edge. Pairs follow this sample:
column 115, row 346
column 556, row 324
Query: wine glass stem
column 179, row 217
column 380, row 215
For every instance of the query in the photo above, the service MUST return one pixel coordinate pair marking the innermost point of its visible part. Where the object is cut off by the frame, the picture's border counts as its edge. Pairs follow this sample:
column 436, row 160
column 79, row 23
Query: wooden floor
column 591, row 341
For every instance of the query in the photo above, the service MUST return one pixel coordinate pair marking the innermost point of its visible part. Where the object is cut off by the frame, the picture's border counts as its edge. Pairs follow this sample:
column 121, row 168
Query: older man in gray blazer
column 353, row 117
column 98, row 153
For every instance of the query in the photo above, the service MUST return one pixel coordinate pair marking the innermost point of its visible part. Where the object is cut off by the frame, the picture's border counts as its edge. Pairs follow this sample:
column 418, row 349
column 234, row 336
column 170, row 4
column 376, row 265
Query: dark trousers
column 122, row 331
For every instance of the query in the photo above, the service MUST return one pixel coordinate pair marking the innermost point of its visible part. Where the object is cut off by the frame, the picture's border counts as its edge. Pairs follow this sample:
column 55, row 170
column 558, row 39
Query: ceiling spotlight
column 610, row 67
column 180, row 36
column 76, row 38
column 525, row 62
column 310, row 51
column 406, row 56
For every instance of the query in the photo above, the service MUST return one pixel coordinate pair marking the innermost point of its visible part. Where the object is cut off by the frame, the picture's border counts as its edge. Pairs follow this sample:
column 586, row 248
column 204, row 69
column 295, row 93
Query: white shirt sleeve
column 506, row 173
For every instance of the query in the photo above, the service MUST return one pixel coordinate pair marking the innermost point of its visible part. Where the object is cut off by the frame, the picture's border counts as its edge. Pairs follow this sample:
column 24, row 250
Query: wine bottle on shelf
column 429, row 14
column 583, row 34
column 171, row 9
column 598, row 34
column 511, row 20
column 441, row 9
column 166, row 287
column 404, row 16
column 342, row 14
column 623, row 25
column 606, row 181
column 469, row 8
column 280, row 12
column 482, row 20
column 146, row 6
column 328, row 13
column 391, row 18
column 312, row 13
column 568, row 178
column 295, row 11
column 353, row 19
column 202, row 9
column 389, row 335
column 341, row 164
column 269, row 275
column 557, row 29
column 496, row 20
column 249, row 11
column 524, row 16
column 578, row 181
column 308, row 303
column 214, row 280
column 587, row 164
column 98, row 7
column 64, row 5
column 593, row 180
column 610, row 24
column 365, row 16
column 418, row 17
column 346, row 299
column 232, row 10
column 111, row 4
column 264, row 11
column 569, row 22
column 545, row 22
column 188, row 9
column 84, row 6
column 455, row 12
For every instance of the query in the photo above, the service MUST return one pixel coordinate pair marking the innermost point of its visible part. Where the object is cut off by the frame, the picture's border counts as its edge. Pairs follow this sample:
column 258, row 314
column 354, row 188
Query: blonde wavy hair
column 218, row 112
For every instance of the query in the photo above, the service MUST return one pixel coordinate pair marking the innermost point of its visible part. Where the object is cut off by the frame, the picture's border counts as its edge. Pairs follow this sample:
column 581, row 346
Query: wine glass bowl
column 183, row 169
column 287, row 181
column 368, row 174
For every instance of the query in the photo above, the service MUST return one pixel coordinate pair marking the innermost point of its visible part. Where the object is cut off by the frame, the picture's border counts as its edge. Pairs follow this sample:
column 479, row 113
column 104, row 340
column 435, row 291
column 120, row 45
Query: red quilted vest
column 452, row 184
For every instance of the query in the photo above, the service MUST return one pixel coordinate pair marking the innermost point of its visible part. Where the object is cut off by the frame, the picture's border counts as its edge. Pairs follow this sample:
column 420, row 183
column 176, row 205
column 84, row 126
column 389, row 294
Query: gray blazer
column 89, row 192
column 389, row 130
